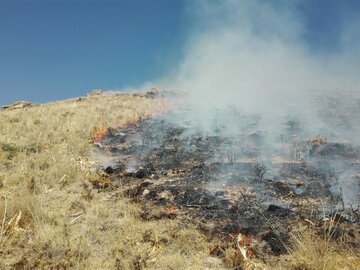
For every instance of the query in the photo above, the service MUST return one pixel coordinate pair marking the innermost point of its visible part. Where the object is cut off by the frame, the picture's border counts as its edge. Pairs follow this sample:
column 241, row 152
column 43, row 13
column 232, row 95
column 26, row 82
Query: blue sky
column 52, row 50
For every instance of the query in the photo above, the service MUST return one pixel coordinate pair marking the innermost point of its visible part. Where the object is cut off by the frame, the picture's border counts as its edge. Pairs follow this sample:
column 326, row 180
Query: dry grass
column 321, row 249
column 52, row 218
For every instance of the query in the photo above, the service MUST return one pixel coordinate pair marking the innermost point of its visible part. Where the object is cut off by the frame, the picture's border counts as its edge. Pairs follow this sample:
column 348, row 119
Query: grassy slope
column 50, row 215
column 45, row 175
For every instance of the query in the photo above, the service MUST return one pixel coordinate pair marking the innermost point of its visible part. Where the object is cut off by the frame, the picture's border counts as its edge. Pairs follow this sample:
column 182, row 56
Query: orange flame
column 97, row 133
column 157, row 110
column 171, row 210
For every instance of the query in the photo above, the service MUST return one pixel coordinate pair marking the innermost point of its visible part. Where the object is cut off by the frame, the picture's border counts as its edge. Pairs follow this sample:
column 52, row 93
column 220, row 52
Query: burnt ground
column 235, row 183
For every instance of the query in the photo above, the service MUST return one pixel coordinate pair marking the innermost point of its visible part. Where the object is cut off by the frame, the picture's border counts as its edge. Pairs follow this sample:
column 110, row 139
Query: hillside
column 59, row 210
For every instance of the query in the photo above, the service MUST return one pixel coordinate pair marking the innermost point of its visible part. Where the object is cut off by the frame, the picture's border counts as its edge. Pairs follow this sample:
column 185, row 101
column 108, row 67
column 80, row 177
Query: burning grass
column 223, row 185
column 51, row 217
column 58, row 211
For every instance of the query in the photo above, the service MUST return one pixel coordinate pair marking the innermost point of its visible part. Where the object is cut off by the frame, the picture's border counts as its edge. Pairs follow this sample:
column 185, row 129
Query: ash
column 236, row 181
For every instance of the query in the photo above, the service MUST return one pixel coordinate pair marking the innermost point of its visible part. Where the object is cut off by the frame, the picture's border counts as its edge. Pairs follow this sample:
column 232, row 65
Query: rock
column 281, row 188
column 17, row 105
column 129, row 173
column 165, row 195
column 152, row 93
column 278, row 210
column 275, row 242
column 145, row 184
column 274, row 208
column 109, row 170
column 141, row 173
column 94, row 92
column 114, row 168
column 154, row 176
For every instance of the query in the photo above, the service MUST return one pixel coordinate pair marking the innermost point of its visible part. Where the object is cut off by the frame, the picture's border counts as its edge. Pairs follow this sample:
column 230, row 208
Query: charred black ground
column 235, row 182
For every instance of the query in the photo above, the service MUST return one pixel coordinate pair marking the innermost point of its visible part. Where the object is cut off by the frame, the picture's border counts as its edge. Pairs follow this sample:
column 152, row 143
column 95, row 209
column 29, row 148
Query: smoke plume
column 253, row 54
column 247, row 60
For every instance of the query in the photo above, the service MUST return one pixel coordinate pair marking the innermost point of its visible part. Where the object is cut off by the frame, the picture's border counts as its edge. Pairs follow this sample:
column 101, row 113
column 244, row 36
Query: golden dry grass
column 313, row 252
column 51, row 217
column 54, row 219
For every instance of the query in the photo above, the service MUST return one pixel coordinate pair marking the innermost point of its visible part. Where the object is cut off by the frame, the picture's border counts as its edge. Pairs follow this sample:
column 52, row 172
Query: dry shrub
column 311, row 251
column 233, row 258
column 316, row 142
column 20, row 204
column 18, row 211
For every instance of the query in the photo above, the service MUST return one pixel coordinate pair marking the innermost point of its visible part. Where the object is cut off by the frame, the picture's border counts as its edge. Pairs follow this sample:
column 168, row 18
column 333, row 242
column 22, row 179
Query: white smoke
column 252, row 54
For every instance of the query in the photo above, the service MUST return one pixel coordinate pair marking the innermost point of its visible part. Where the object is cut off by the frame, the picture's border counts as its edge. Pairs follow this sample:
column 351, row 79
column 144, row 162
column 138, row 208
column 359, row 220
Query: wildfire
column 100, row 131
column 243, row 243
column 97, row 133
column 157, row 110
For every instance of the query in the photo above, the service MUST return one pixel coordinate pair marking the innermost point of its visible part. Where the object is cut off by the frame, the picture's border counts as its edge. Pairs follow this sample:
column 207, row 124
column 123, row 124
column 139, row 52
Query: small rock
column 141, row 173
column 273, row 208
column 17, row 105
column 154, row 176
column 145, row 192
column 94, row 92
column 117, row 168
column 109, row 170
column 299, row 184
column 145, row 184
column 164, row 195
column 281, row 188
column 152, row 93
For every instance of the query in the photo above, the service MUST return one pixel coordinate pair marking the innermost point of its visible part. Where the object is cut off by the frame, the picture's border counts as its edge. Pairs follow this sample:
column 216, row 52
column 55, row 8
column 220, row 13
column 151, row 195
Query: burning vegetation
column 173, row 192
column 233, row 184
